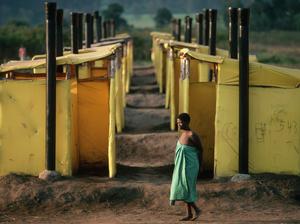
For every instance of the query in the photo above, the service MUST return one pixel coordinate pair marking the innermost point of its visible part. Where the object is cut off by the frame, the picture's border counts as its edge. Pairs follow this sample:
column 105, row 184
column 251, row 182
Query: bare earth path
column 139, row 193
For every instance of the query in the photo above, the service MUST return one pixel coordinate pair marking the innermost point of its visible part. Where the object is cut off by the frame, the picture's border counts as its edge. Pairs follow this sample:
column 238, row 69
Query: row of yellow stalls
column 89, row 109
column 274, row 112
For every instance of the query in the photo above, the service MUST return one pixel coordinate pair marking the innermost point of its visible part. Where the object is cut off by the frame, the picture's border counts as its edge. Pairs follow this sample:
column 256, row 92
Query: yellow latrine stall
column 159, row 58
column 85, row 70
column 85, row 114
column 127, row 62
column 124, row 77
column 274, row 115
column 200, row 72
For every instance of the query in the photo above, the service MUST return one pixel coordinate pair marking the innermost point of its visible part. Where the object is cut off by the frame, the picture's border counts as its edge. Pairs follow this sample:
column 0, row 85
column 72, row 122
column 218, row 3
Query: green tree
column 114, row 11
column 16, row 34
column 275, row 14
column 163, row 17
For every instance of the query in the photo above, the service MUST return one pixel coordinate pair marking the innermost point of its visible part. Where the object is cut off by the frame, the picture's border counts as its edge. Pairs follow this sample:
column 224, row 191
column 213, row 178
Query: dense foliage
column 163, row 17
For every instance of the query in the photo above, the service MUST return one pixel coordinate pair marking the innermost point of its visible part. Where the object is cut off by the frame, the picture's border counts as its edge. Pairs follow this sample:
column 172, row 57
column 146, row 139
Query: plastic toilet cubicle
column 159, row 57
column 200, row 97
column 274, row 113
column 85, row 112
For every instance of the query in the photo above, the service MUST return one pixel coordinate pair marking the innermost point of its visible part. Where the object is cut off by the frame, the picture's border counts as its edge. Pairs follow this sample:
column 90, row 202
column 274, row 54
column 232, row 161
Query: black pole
column 212, row 36
column 112, row 28
column 50, row 11
column 178, row 30
column 74, row 32
column 75, row 36
column 199, row 28
column 92, row 29
column 80, row 30
column 59, row 36
column 98, row 26
column 188, row 29
column 212, row 31
column 104, row 29
column 206, row 27
column 243, row 89
column 233, row 32
column 88, row 31
column 108, row 30
column 173, row 27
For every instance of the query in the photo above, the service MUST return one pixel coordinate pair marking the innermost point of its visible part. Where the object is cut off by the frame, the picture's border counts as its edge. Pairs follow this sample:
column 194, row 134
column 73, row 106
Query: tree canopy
column 114, row 11
column 163, row 17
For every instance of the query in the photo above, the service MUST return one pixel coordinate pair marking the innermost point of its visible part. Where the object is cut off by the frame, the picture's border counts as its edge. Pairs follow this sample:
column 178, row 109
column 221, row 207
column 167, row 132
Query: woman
column 187, row 156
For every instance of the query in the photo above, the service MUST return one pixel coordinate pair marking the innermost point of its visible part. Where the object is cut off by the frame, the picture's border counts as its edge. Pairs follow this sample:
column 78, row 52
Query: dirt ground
column 140, row 192
column 140, row 195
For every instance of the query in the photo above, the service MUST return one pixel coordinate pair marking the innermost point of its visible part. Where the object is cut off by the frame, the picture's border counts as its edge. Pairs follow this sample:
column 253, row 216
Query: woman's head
column 183, row 121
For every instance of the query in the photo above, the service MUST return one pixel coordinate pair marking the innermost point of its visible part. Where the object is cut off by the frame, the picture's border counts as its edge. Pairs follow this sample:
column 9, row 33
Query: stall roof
column 161, row 35
column 259, row 74
column 198, row 48
column 68, row 59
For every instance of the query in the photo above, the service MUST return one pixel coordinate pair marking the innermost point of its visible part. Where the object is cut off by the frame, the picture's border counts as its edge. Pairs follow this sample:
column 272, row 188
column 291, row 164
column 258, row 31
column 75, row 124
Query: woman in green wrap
column 187, row 159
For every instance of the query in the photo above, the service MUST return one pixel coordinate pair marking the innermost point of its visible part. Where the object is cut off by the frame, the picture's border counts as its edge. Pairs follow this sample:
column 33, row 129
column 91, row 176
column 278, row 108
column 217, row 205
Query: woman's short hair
column 184, row 117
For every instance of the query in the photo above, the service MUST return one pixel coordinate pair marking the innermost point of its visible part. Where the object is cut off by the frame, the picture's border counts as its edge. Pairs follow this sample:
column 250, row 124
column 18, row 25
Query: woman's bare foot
column 197, row 214
column 187, row 218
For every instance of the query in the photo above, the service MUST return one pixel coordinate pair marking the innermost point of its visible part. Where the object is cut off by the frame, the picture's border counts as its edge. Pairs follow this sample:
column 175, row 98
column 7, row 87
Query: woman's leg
column 197, row 210
column 189, row 213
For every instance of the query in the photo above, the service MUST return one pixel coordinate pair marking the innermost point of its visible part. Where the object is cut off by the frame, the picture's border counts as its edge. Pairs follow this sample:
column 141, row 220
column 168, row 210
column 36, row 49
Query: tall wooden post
column 206, row 27
column 50, row 11
column 178, row 30
column 105, row 31
column 80, row 30
column 233, row 32
column 199, row 28
column 112, row 28
column 212, row 31
column 88, row 31
column 98, row 26
column 173, row 27
column 244, row 14
column 74, row 32
column 188, row 30
column 59, row 36
column 75, row 37
column 92, row 29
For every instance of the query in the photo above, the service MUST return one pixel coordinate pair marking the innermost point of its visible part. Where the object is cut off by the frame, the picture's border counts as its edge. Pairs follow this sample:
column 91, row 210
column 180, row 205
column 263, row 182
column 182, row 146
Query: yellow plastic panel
column 174, row 96
column 99, row 72
column 164, row 71
column 74, row 126
column 22, row 127
column 274, row 134
column 84, row 71
column 93, row 121
column 124, row 75
column 184, row 96
column 194, row 70
column 202, row 109
column 118, row 99
column 203, row 68
column 112, row 165
column 169, row 71
column 99, row 64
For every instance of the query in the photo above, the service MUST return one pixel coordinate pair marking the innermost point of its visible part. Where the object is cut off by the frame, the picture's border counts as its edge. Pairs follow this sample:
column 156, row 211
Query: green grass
column 147, row 20
column 277, row 47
